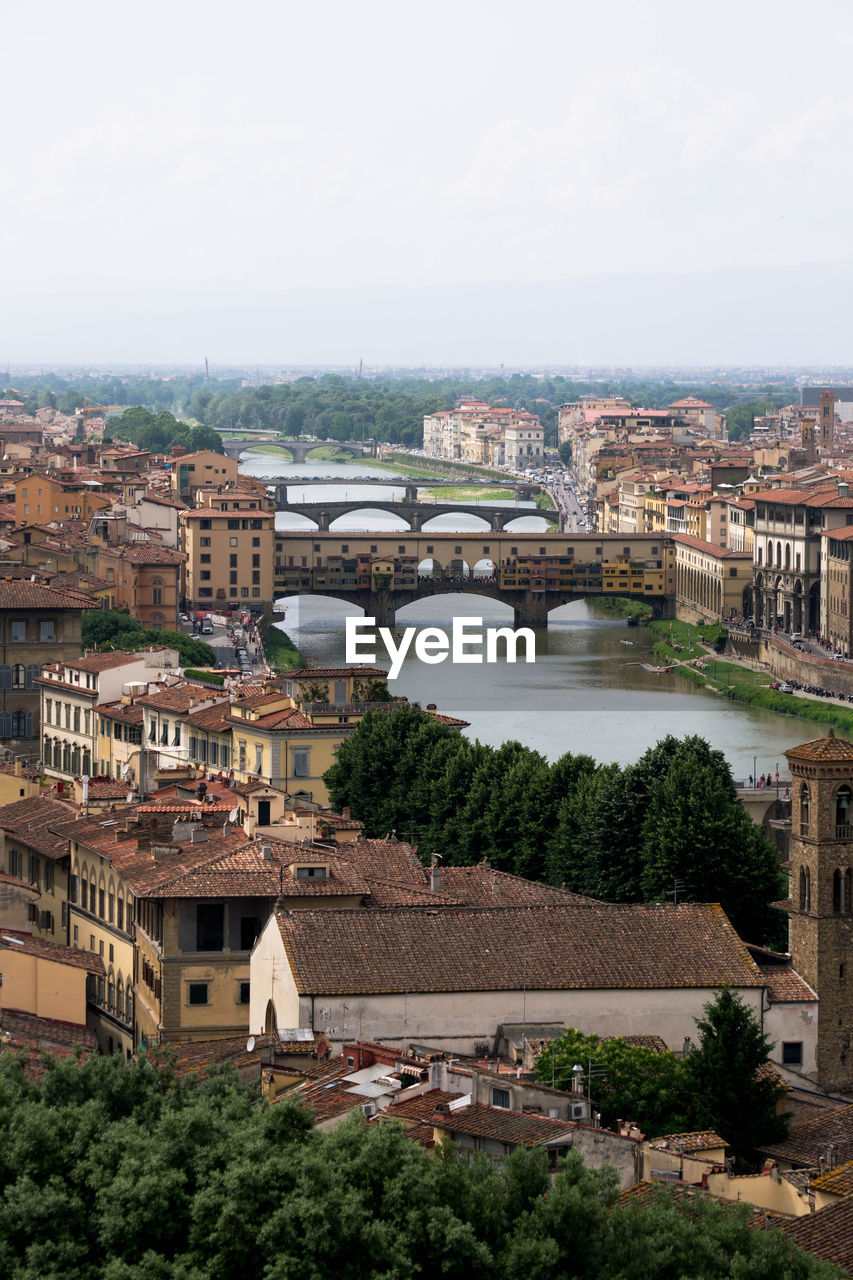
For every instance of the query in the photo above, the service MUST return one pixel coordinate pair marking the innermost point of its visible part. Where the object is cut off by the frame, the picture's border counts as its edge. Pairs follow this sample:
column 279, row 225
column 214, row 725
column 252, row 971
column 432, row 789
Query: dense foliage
column 158, row 432
column 386, row 407
column 669, row 825
column 112, row 629
column 722, row 1084
column 114, row 1171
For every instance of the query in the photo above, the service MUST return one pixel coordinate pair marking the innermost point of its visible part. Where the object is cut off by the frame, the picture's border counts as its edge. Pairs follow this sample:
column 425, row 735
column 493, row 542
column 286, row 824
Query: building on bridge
column 229, row 554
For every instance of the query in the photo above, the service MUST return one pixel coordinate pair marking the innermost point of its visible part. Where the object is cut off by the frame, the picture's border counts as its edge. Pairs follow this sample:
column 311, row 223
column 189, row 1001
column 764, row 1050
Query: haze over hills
column 777, row 316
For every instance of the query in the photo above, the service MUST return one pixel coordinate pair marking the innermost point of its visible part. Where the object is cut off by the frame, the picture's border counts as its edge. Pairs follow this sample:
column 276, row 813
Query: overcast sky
column 162, row 156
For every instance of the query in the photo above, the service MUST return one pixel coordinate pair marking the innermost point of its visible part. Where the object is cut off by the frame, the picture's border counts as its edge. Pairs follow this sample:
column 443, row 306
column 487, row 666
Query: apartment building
column 479, row 433
column 229, row 558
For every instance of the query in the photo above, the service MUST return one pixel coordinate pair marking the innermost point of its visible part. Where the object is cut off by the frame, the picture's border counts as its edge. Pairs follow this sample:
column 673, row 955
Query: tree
column 733, row 1092
column 102, row 626
column 565, row 452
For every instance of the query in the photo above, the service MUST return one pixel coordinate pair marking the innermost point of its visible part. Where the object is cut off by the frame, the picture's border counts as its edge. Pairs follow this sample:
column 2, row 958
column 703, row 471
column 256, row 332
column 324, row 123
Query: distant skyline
column 312, row 185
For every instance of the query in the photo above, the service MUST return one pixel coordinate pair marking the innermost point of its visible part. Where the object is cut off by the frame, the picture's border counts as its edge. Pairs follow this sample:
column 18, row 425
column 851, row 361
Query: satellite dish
column 250, row 1044
column 232, row 817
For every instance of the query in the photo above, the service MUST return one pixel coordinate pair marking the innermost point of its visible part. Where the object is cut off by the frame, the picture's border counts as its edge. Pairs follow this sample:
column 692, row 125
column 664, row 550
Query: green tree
column 565, row 452
column 733, row 1092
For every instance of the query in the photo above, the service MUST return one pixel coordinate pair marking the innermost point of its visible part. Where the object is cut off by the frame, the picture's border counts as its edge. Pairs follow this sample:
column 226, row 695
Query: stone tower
column 807, row 439
column 827, row 420
column 821, row 896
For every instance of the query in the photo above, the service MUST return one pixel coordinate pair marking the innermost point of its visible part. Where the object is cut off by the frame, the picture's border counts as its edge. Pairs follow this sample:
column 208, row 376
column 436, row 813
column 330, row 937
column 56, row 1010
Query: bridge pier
column 532, row 611
column 382, row 608
column 411, row 493
column 416, row 521
column 323, row 521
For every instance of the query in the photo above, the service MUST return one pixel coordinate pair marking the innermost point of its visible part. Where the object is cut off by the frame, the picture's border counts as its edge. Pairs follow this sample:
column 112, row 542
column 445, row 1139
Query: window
column 259, row 758
column 205, row 559
column 500, row 1098
column 204, row 542
column 157, row 595
column 210, row 927
column 843, row 801
column 48, row 709
column 111, row 902
column 243, row 993
column 256, row 562
column 311, row 873
column 19, row 676
column 101, row 904
column 232, row 562
column 120, row 913
column 33, row 876
column 19, row 631
column 250, row 927
column 805, row 799
column 48, row 877
column 792, row 1052
column 256, row 542
column 92, row 897
column 232, row 577
column 197, row 992
column 47, row 630
column 805, row 889
column 301, row 763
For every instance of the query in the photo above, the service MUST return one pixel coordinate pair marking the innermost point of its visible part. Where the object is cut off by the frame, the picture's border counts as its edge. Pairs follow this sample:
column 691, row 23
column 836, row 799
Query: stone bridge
column 416, row 513
column 530, row 607
column 299, row 450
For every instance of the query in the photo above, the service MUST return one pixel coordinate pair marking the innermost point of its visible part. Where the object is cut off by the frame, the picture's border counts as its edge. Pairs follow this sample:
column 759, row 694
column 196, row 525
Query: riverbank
column 620, row 607
column 442, row 466
column 464, row 495
column 421, row 472
column 281, row 652
column 694, row 645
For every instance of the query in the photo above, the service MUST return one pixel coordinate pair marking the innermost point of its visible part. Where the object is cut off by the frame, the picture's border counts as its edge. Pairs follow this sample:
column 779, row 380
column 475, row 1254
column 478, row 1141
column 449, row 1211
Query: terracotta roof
column 421, row 1107
column 12, row 940
column 822, row 749
column 827, row 1234
column 515, row 1128
column 543, row 948
column 115, row 790
column 30, row 821
column 785, row 985
column 706, row 1140
column 144, row 872
column 710, row 548
column 180, row 697
column 97, row 662
column 483, row 886
column 145, row 553
column 126, row 712
column 33, row 595
column 288, row 718
column 837, row 1182
column 243, row 873
column 28, row 1030
column 807, row 1143
column 214, row 719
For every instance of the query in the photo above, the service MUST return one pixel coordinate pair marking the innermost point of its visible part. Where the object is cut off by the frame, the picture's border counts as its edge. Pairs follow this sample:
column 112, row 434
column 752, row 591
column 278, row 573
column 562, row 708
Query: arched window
column 787, row 555
column 57, row 754
column 75, row 760
column 119, row 997
column 33, row 673
column 805, row 889
column 838, row 892
column 19, row 724
column 87, row 762
column 19, row 676
column 759, row 555
column 843, row 802
column 805, row 802
column 270, row 1024
column 66, row 757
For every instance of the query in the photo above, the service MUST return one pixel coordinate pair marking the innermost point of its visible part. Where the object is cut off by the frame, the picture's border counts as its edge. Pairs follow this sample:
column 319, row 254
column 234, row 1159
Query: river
column 586, row 691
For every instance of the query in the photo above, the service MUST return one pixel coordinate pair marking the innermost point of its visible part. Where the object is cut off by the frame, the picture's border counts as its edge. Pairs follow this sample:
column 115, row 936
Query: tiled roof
column 827, row 1234
column 243, row 873
column 180, row 697
column 216, row 719
column 823, row 749
column 126, row 712
column 144, row 872
column 27, row 1029
column 30, row 822
column 542, row 948
column 288, row 718
column 97, row 662
column 115, row 790
column 837, row 1182
column 684, row 1143
column 145, row 553
column 785, row 984
column 421, row 1107
column 514, row 1128
column 12, row 940
column 710, row 548
column 483, row 886
column 807, row 1143
column 32, row 595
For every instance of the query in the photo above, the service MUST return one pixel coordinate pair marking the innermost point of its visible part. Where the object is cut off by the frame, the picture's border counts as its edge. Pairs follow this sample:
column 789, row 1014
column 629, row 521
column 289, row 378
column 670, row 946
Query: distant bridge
column 299, row 450
column 415, row 513
column 411, row 485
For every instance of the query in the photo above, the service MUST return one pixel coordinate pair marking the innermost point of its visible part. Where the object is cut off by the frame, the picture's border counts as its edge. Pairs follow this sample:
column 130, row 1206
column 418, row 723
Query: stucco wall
column 457, row 1021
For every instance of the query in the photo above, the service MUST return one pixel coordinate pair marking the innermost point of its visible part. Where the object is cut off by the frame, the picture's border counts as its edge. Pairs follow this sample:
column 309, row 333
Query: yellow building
column 43, row 499
column 45, row 979
column 101, row 911
column 32, row 852
column 711, row 581
column 191, row 471
column 229, row 558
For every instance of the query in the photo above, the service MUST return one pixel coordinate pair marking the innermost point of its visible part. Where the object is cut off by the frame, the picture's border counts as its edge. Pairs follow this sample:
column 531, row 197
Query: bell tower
column 821, row 896
column 808, row 441
column 827, row 420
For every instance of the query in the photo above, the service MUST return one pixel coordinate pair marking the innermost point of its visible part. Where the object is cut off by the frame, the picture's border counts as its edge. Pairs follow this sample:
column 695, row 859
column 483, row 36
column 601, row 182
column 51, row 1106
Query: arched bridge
column 417, row 514
column 299, row 450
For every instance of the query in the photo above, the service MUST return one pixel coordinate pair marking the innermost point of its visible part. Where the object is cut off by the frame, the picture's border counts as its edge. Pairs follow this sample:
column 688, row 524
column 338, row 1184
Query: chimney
column 266, row 852
column 435, row 878
column 843, row 489
column 198, row 835
column 496, row 888
column 345, row 811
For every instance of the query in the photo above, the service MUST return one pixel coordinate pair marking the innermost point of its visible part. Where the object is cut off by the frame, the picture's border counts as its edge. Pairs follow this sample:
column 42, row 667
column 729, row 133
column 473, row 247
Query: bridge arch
column 472, row 599
column 432, row 525
column 343, row 523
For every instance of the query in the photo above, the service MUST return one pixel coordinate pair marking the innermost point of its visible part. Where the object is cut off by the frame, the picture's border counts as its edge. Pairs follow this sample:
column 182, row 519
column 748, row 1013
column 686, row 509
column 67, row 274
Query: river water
column 586, row 691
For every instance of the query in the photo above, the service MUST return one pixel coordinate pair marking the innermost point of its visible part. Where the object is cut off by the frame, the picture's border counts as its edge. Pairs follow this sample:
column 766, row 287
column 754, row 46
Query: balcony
column 844, row 830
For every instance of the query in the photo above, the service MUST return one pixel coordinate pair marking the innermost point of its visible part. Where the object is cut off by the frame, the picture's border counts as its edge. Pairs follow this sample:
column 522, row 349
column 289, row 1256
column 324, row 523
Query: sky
column 185, row 175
